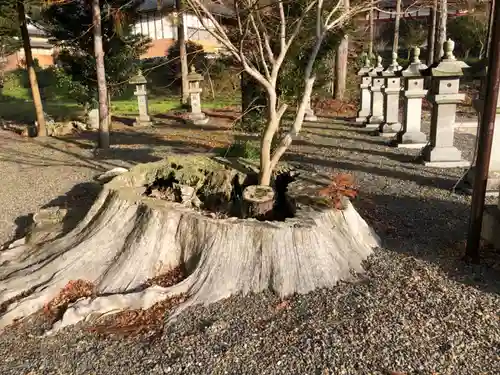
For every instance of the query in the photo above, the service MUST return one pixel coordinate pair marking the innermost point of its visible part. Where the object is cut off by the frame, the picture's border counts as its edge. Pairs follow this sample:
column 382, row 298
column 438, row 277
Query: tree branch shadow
column 76, row 201
column 437, row 181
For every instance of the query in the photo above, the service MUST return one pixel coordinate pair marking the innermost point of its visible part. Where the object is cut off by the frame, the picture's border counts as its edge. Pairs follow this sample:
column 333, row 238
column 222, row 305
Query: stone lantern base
column 198, row 118
column 142, row 121
column 310, row 116
column 389, row 130
column 443, row 157
column 410, row 140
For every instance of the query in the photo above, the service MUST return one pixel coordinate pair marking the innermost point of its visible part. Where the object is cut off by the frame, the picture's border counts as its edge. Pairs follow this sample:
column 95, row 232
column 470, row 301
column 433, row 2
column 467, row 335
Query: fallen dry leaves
column 167, row 279
column 73, row 291
column 282, row 305
column 134, row 322
column 335, row 106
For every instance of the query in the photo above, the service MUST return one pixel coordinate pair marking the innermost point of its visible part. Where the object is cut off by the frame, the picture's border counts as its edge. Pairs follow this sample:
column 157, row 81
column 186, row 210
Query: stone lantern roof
column 138, row 79
column 416, row 66
column 449, row 66
column 193, row 76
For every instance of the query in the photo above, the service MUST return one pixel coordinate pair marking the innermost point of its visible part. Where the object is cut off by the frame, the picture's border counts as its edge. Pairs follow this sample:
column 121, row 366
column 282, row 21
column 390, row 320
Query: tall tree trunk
column 395, row 43
column 35, row 90
column 341, row 64
column 371, row 26
column 442, row 19
column 110, row 114
column 431, row 35
column 101, row 76
column 181, row 37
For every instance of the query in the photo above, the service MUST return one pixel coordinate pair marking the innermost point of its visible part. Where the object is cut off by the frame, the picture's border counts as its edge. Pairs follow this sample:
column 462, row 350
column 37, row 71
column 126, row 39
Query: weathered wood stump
column 258, row 202
column 128, row 238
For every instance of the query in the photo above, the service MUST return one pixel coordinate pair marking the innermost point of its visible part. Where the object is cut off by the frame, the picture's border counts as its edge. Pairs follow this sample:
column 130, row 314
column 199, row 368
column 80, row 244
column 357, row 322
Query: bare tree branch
column 258, row 24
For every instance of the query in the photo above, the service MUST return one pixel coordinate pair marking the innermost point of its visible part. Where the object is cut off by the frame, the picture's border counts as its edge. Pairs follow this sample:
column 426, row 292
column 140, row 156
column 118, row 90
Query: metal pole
column 485, row 135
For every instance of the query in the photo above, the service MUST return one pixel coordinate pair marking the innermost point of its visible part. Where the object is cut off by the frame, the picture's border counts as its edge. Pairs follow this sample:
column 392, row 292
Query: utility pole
column 486, row 128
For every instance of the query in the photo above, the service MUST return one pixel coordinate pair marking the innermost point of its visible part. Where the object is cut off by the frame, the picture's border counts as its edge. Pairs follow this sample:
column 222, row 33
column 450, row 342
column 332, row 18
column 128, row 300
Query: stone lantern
column 142, row 99
column 444, row 96
column 411, row 135
column 196, row 115
column 391, row 91
column 365, row 94
column 377, row 98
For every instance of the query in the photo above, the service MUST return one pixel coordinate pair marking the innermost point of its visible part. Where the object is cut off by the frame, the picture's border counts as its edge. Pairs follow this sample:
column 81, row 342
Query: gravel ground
column 418, row 309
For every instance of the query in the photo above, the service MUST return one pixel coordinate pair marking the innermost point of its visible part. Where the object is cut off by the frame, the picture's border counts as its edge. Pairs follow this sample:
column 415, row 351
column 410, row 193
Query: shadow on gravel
column 403, row 158
column 381, row 142
column 433, row 230
column 77, row 202
column 438, row 182
column 127, row 148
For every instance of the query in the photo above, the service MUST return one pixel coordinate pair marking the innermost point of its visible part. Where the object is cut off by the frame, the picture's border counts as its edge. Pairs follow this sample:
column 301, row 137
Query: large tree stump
column 128, row 238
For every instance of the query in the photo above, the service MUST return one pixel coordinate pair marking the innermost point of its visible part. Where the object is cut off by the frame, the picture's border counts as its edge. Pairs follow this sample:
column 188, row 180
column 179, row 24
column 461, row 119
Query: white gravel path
column 33, row 173
column 418, row 310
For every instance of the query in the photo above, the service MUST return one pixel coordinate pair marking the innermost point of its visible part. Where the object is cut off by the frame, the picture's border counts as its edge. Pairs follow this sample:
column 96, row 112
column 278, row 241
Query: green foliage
column 412, row 33
column 53, row 82
column 220, row 74
column 8, row 19
column 469, row 33
column 252, row 122
column 166, row 71
column 195, row 56
column 8, row 31
column 70, row 27
column 291, row 78
column 242, row 149
column 72, row 89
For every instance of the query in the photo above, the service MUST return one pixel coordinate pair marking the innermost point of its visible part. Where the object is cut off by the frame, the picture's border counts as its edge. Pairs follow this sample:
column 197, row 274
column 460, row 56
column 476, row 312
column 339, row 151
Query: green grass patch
column 18, row 106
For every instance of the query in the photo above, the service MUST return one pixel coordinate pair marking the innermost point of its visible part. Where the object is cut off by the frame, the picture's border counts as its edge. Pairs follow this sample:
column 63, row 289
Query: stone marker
column 196, row 115
column 444, row 96
column 377, row 98
column 411, row 135
column 365, row 94
column 92, row 119
column 391, row 91
column 142, row 99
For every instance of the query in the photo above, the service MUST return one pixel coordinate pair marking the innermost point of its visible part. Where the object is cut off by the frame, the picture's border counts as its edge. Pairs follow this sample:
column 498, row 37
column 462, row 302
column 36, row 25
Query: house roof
column 218, row 9
column 390, row 4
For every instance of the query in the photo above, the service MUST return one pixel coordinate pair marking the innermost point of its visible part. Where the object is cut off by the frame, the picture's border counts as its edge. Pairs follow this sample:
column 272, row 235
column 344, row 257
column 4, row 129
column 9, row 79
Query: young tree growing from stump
column 264, row 34
column 259, row 24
